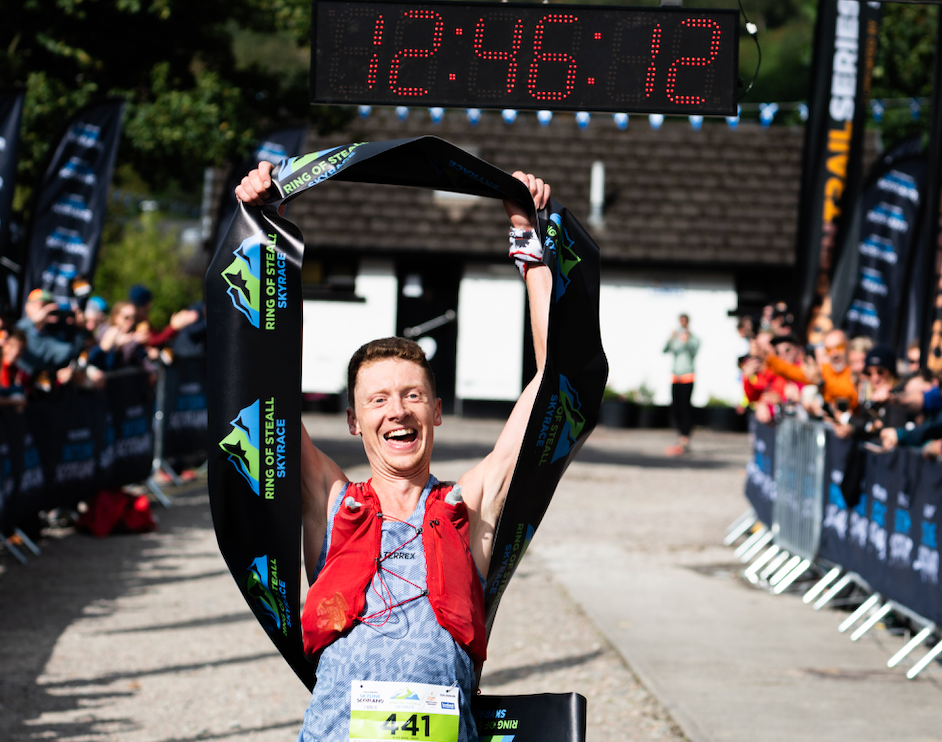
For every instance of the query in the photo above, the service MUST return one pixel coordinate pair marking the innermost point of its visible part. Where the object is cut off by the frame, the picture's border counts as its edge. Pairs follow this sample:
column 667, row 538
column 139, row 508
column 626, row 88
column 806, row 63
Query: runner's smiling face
column 395, row 415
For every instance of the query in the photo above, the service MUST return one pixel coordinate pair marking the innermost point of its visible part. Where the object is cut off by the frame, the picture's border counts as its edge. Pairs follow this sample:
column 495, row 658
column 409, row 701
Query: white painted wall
column 491, row 315
column 333, row 330
column 639, row 312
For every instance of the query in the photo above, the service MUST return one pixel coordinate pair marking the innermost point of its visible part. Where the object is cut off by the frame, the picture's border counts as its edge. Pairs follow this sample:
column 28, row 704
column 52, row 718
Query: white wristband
column 525, row 248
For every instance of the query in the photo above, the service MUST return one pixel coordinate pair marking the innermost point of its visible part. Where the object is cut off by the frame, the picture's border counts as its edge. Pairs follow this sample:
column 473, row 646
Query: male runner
column 418, row 625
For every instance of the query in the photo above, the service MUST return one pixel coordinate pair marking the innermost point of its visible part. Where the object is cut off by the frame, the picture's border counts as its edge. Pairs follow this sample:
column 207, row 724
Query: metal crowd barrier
column 779, row 555
column 799, row 486
column 169, row 394
column 791, row 544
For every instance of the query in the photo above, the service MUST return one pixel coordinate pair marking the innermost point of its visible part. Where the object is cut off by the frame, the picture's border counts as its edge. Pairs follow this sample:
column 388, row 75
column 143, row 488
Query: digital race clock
column 509, row 55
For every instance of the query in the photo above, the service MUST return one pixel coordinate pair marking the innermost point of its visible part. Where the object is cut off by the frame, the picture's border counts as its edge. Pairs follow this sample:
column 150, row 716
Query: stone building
column 697, row 221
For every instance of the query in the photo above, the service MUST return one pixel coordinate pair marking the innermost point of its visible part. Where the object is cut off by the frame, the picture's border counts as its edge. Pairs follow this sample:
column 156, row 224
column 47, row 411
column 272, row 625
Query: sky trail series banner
column 845, row 50
column 254, row 355
column 72, row 198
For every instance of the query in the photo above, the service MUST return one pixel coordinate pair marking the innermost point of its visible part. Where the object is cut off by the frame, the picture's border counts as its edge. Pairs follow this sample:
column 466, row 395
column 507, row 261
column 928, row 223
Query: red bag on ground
column 111, row 511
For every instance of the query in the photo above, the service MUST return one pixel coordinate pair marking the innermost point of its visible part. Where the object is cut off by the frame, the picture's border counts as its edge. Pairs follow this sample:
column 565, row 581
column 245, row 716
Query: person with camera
column 53, row 339
column 919, row 388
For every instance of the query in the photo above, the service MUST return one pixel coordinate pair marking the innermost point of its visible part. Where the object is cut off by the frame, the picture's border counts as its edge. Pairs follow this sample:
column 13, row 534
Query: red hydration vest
column 338, row 596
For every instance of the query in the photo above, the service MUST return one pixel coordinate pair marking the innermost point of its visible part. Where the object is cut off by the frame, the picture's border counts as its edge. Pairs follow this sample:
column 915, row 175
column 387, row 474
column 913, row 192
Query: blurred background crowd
column 861, row 390
column 79, row 341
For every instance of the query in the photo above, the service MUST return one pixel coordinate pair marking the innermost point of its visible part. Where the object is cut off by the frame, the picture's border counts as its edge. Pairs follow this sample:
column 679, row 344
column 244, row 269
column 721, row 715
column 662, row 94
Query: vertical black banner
column 71, row 200
column 184, row 410
column 11, row 113
column 845, row 50
column 253, row 304
column 930, row 267
column 254, row 335
column 274, row 147
column 884, row 238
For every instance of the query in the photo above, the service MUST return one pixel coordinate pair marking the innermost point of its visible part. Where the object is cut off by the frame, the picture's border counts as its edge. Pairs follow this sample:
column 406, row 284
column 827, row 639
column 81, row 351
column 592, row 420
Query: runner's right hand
column 254, row 187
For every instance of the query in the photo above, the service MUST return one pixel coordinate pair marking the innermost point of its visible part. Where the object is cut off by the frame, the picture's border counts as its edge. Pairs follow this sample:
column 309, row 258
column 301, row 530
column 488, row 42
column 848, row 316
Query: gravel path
column 146, row 638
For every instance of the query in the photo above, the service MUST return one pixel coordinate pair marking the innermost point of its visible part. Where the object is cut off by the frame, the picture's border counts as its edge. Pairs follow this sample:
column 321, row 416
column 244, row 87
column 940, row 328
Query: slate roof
column 718, row 196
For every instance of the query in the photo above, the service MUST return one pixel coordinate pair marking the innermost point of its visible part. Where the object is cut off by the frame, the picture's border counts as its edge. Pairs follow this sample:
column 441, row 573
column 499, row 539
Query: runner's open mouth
column 403, row 435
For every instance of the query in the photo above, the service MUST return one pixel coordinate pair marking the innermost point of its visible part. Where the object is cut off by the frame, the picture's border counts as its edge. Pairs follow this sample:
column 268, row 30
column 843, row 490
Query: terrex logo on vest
column 258, row 294
column 268, row 593
column 242, row 444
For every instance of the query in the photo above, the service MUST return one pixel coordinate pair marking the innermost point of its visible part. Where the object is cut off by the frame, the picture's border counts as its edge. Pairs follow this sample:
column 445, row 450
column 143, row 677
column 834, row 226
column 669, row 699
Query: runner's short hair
column 379, row 350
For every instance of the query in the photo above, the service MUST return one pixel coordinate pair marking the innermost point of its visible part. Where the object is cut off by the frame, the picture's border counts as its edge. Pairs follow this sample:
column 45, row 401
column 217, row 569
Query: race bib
column 381, row 711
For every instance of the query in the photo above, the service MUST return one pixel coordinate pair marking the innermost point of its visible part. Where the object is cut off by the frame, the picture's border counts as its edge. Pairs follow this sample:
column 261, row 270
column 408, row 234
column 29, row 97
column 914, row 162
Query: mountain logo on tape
column 559, row 241
column 562, row 423
column 258, row 292
column 243, row 275
column 268, row 593
column 242, row 444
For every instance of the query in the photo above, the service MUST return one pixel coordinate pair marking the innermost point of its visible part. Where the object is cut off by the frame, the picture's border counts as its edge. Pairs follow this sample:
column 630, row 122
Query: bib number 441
column 414, row 724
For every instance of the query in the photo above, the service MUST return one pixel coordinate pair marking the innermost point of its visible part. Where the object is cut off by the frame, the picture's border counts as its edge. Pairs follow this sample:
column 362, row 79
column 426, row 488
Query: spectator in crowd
column 790, row 350
column 857, row 350
column 96, row 317
column 191, row 339
column 762, row 344
column 142, row 299
column 120, row 345
column 765, row 319
column 757, row 380
column 913, row 356
column 684, row 346
column 53, row 340
column 744, row 330
column 782, row 320
column 928, row 428
column 881, row 410
column 13, row 380
column 767, row 388
column 838, row 387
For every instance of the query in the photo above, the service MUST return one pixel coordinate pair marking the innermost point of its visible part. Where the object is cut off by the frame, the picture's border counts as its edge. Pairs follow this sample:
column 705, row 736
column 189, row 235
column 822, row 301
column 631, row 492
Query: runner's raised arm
column 485, row 486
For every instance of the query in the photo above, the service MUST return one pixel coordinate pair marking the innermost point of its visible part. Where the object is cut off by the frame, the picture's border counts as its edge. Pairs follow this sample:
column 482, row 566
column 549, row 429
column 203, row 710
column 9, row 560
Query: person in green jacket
column 684, row 345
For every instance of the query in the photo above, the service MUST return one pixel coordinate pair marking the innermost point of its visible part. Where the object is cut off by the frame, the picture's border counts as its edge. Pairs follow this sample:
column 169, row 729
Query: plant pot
column 654, row 416
column 618, row 413
column 725, row 419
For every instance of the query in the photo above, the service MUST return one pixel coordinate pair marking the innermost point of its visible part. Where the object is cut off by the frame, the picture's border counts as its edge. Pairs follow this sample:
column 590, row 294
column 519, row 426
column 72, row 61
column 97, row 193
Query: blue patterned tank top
column 405, row 644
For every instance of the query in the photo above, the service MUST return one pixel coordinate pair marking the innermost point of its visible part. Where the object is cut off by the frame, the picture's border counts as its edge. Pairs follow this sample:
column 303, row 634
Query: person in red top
column 142, row 299
column 765, row 388
column 13, row 380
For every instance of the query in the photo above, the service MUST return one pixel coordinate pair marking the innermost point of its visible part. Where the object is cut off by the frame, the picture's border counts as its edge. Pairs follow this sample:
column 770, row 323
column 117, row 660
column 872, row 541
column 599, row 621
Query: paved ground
column 146, row 638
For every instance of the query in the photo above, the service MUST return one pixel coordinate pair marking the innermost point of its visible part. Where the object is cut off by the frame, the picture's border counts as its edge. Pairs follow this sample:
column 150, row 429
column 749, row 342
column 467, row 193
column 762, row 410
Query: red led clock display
column 509, row 55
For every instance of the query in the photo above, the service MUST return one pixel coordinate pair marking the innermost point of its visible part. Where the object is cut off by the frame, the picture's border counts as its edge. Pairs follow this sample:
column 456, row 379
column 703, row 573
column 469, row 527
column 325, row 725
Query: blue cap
column 139, row 295
column 98, row 303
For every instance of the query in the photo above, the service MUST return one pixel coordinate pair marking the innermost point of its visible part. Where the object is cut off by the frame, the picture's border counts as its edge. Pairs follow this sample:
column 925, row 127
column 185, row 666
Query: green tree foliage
column 904, row 67
column 786, row 34
column 144, row 250
column 191, row 102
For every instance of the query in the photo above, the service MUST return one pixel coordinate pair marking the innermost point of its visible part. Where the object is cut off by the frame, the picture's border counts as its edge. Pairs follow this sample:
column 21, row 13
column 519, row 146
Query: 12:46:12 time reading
column 497, row 55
